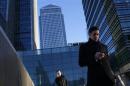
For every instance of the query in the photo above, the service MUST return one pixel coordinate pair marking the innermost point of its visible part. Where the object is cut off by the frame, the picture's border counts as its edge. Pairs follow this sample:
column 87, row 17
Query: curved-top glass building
column 52, row 27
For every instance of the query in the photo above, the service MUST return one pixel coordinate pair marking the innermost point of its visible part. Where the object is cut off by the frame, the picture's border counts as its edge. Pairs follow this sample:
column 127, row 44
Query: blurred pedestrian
column 60, row 79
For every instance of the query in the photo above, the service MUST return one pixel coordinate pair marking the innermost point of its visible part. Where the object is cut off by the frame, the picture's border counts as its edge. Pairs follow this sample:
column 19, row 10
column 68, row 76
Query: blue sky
column 74, row 19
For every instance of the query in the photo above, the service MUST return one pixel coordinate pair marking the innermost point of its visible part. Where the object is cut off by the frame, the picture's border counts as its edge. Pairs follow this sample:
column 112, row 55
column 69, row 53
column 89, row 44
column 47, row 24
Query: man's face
column 95, row 35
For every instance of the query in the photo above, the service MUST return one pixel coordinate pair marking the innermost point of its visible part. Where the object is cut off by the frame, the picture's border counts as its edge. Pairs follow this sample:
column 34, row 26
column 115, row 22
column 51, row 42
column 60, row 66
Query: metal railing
column 122, row 80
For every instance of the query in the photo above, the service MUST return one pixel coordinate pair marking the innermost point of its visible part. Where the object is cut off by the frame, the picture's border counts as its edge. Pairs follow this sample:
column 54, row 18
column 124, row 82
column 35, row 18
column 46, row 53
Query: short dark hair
column 93, row 28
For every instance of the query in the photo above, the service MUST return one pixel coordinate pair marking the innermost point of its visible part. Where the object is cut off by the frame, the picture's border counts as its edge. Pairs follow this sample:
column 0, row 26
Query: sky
column 75, row 24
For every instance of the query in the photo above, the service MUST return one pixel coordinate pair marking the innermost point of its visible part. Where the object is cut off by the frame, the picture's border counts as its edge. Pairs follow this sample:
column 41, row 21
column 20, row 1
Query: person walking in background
column 60, row 79
column 94, row 55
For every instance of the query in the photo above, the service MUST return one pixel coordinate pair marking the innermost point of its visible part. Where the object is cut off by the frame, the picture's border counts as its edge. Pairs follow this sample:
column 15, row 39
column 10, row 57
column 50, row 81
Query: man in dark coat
column 60, row 79
column 94, row 55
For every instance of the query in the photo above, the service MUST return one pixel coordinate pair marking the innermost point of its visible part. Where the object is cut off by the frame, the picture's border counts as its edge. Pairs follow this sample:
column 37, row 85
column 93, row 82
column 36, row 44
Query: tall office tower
column 21, row 22
column 27, row 24
column 52, row 31
column 113, row 19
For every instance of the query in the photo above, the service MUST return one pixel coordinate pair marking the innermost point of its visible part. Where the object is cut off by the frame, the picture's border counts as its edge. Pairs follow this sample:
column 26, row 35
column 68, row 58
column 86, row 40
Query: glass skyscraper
column 52, row 28
column 123, row 12
column 21, row 22
column 42, row 66
column 24, row 25
column 113, row 19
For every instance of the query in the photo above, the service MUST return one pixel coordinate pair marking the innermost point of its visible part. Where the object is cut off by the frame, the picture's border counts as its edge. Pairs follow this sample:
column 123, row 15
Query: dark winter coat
column 61, row 81
column 99, row 72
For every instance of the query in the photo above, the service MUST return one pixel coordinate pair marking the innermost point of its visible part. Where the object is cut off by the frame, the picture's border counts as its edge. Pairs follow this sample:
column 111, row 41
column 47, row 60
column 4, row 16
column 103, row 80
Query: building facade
column 110, row 16
column 21, row 24
column 123, row 12
column 43, row 64
column 52, row 28
column 24, row 18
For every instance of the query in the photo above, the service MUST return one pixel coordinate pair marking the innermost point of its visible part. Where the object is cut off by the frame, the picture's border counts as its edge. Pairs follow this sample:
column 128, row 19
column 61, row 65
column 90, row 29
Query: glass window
column 125, row 24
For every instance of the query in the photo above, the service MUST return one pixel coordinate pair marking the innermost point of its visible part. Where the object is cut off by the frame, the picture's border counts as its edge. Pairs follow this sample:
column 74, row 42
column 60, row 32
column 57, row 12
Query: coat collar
column 92, row 41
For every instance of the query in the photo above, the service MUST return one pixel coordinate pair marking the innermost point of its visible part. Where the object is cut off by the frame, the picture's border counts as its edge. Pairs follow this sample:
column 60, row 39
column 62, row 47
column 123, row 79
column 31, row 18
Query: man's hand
column 99, row 56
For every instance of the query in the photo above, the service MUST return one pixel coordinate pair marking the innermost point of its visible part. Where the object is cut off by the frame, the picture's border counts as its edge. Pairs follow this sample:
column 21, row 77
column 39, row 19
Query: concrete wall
column 12, row 71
